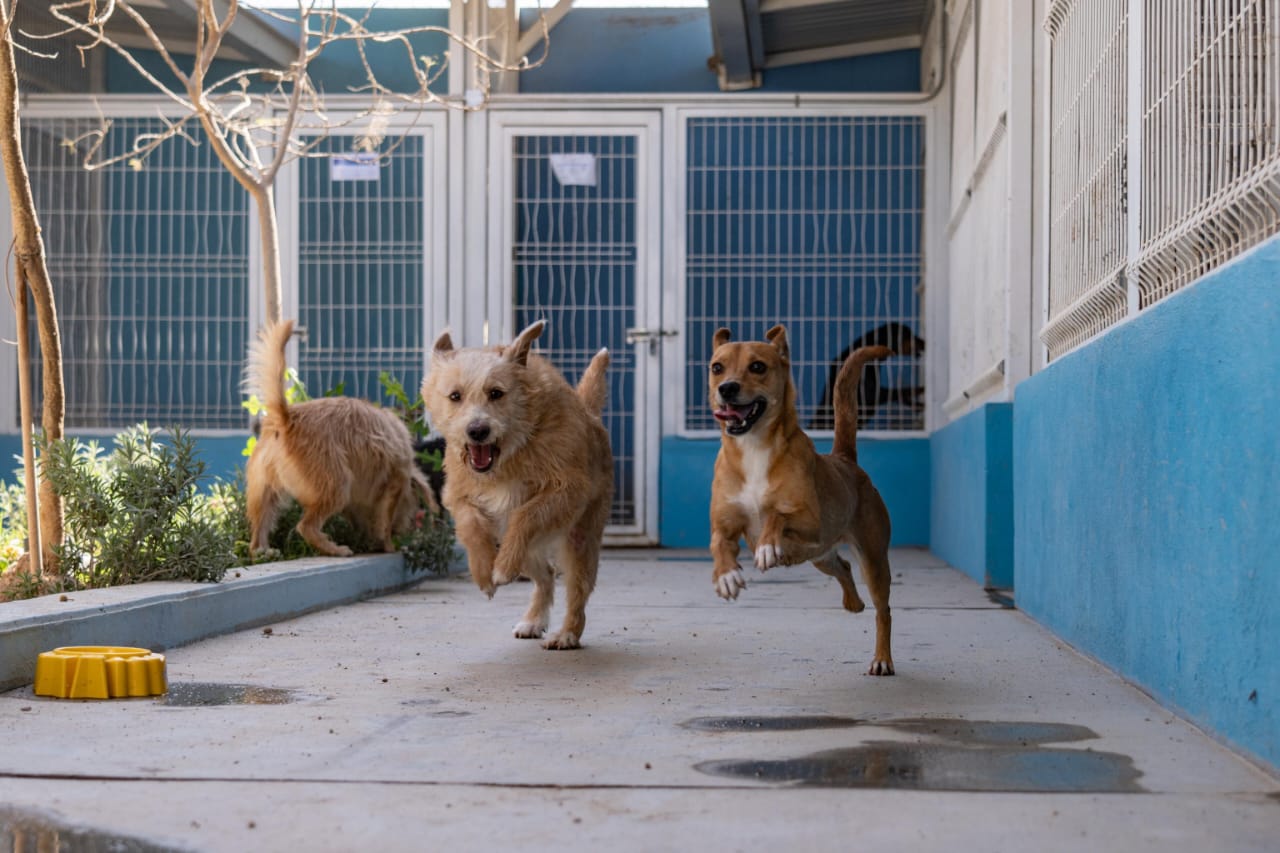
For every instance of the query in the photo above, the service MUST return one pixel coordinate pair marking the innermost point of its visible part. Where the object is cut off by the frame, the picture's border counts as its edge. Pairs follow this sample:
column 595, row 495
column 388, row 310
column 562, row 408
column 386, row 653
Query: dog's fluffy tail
column 593, row 390
column 264, row 374
column 846, row 399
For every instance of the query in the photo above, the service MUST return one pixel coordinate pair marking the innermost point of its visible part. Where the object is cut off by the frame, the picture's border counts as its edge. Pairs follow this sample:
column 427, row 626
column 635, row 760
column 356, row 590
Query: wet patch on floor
column 988, row 733
column 955, row 755
column 21, row 831
column 767, row 724
column 196, row 694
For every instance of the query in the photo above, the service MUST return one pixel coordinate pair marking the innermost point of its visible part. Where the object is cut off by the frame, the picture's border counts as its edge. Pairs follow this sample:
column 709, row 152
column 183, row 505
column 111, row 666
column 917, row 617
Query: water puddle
column 196, row 694
column 767, row 724
column 956, row 755
column 29, row 831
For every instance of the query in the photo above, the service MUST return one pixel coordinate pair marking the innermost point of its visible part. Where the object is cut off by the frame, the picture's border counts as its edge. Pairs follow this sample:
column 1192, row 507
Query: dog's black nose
column 729, row 391
column 477, row 431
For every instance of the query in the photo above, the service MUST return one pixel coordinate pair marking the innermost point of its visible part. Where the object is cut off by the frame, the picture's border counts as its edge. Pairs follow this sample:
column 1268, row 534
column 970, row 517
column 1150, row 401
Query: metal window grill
column 575, row 266
column 1210, row 137
column 1088, row 139
column 150, row 273
column 361, row 279
column 814, row 222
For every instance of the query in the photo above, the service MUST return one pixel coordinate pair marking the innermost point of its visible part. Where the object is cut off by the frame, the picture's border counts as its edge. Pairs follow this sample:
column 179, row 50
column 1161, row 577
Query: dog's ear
column 721, row 337
column 518, row 350
column 778, row 337
column 444, row 345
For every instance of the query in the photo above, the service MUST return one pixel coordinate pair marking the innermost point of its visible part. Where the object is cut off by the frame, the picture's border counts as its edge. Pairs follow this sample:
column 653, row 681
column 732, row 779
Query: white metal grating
column 1210, row 137
column 1134, row 220
column 150, row 273
column 575, row 263
column 1088, row 138
column 814, row 222
column 361, row 280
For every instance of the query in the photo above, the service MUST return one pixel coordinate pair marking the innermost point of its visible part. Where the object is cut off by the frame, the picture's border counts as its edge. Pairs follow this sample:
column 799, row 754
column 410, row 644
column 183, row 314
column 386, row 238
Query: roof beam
column 251, row 36
column 730, row 26
column 533, row 36
column 841, row 51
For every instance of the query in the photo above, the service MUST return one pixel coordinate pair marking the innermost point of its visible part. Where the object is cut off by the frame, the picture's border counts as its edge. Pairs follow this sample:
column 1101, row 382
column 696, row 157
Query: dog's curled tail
column 593, row 391
column 846, row 399
column 264, row 374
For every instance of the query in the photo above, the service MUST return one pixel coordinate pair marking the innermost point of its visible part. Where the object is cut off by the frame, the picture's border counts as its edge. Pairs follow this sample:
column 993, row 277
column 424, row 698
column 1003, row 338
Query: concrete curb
column 166, row 614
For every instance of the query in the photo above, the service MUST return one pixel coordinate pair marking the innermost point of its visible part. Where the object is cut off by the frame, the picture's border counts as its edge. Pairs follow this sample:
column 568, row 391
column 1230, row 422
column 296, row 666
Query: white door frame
column 646, row 126
column 432, row 127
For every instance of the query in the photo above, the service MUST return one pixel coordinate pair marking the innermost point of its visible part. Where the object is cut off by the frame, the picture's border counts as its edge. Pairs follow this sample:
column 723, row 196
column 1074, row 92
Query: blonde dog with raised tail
column 773, row 489
column 332, row 455
column 528, row 472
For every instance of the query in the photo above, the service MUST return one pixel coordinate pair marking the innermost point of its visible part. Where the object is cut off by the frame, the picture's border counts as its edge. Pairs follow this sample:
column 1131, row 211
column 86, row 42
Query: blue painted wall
column 1147, row 512
column 898, row 467
column 336, row 69
column 971, row 494
column 666, row 50
column 663, row 50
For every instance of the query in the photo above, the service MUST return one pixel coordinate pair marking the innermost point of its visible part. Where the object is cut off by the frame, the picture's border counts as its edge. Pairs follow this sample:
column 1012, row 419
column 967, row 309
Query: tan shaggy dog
column 333, row 454
column 528, row 472
column 772, row 488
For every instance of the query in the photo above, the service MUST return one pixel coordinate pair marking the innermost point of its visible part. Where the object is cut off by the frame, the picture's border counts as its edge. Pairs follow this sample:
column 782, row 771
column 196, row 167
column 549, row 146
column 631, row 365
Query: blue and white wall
column 1145, row 503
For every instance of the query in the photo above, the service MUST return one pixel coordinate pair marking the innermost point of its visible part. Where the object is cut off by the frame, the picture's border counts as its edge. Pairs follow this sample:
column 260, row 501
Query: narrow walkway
column 415, row 722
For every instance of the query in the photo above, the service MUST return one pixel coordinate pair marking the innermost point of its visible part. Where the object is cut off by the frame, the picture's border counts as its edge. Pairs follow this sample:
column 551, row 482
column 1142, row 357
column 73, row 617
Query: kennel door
column 576, row 228
column 368, row 245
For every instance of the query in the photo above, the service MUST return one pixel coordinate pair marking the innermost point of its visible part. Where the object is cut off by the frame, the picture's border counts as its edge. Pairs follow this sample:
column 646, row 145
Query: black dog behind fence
column 871, row 393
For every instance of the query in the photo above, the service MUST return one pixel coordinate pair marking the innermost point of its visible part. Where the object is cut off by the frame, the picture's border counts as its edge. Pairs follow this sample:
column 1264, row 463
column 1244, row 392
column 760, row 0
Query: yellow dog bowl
column 100, row 672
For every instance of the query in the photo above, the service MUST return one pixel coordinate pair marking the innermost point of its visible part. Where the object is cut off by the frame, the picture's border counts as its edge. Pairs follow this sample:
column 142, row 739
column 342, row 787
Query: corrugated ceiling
column 754, row 35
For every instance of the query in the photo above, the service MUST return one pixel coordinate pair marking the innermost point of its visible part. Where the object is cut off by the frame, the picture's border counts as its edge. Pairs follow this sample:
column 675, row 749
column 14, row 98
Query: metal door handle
column 640, row 334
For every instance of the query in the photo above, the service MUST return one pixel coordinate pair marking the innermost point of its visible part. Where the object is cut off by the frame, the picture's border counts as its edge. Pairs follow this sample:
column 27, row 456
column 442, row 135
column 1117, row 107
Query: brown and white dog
column 528, row 472
column 772, row 488
column 332, row 455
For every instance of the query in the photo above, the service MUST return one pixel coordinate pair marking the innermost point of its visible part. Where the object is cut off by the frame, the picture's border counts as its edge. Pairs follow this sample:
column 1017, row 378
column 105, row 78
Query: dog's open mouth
column 482, row 456
column 738, row 419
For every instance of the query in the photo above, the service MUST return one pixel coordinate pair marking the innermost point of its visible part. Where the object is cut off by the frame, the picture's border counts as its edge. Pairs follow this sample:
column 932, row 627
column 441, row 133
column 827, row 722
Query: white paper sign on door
column 360, row 166
column 574, row 170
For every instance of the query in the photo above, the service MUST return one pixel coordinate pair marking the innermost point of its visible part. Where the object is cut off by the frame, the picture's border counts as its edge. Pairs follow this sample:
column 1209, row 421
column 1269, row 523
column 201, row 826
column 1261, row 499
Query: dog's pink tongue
column 481, row 455
column 732, row 413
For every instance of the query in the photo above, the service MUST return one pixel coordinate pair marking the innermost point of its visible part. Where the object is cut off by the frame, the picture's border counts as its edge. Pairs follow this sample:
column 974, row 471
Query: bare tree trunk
column 269, row 231
column 29, row 252
column 35, row 556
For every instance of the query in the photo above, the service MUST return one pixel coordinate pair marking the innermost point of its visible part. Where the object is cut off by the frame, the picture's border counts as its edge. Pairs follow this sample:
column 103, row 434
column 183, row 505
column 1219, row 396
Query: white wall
column 989, row 230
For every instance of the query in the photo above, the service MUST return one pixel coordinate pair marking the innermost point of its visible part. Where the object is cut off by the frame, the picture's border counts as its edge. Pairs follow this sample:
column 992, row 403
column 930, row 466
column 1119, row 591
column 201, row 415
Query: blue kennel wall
column 1145, row 504
column 971, row 494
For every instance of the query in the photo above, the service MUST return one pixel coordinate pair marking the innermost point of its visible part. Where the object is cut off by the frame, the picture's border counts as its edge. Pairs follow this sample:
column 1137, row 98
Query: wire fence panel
column 361, row 268
column 150, row 269
column 1210, row 137
column 814, row 222
column 575, row 257
column 1207, row 157
column 1088, row 139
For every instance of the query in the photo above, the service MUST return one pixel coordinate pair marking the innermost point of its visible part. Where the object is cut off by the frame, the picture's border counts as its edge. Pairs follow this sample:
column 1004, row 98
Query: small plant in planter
column 133, row 515
column 137, row 514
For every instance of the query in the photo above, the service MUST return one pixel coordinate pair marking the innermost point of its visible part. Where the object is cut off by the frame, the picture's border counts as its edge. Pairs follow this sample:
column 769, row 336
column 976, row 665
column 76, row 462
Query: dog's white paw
column 881, row 667
column 729, row 584
column 562, row 640
column 528, row 630
column 768, row 556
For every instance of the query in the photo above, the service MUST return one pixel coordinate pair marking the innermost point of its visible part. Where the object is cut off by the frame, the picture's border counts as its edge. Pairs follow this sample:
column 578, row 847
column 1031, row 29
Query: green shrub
column 13, row 523
column 137, row 514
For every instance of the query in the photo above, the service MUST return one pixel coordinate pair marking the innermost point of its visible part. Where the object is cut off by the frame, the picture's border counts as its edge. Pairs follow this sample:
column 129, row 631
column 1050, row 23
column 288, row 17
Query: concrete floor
column 415, row 722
